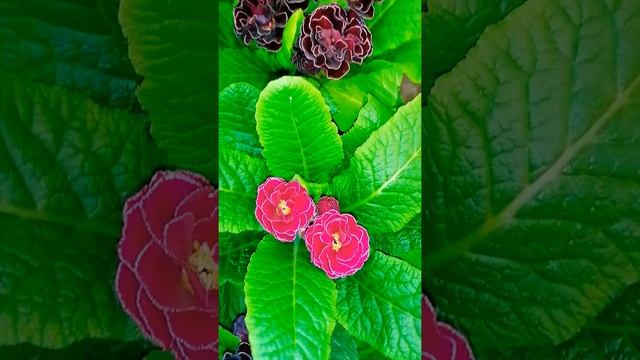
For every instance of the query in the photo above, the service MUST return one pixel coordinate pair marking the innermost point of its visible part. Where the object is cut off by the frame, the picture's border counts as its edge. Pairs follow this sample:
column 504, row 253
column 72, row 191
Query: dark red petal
column 162, row 277
column 155, row 320
column 177, row 237
column 164, row 195
column 135, row 236
column 201, row 203
column 194, row 328
column 127, row 288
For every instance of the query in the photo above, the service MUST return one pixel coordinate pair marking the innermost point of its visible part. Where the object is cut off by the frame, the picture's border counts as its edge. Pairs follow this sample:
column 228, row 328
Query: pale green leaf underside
column 295, row 130
column 382, row 185
column 290, row 303
column 66, row 166
column 533, row 179
column 380, row 305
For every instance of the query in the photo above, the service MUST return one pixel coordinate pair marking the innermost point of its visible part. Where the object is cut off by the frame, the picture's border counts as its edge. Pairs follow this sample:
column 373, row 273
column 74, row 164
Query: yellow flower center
column 201, row 262
column 336, row 242
column 286, row 210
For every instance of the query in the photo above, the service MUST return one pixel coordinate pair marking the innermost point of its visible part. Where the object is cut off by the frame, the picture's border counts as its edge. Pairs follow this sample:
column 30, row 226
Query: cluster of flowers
column 167, row 278
column 338, row 245
column 331, row 37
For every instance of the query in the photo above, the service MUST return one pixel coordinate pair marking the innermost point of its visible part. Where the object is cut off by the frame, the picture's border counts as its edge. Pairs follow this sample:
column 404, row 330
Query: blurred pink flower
column 167, row 277
column 439, row 340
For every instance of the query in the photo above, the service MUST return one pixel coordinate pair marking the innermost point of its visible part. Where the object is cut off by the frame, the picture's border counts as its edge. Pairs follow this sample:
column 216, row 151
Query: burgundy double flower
column 167, row 277
column 331, row 39
column 264, row 20
column 363, row 7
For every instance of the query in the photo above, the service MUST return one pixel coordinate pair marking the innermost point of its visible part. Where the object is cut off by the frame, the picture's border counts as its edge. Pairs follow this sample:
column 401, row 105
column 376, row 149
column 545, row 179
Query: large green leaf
column 382, row 185
column 237, row 121
column 452, row 27
column 296, row 131
column 533, row 174
column 373, row 115
column 84, row 349
column 615, row 334
column 381, row 79
column 396, row 22
column 240, row 176
column 228, row 342
column 172, row 45
column 291, row 304
column 66, row 166
column 242, row 65
column 380, row 305
column 76, row 44
column 405, row 244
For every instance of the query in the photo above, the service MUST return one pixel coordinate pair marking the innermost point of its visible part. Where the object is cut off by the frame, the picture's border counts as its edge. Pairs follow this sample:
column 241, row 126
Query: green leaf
column 228, row 342
column 290, row 303
column 451, row 30
column 83, row 349
column 159, row 355
column 408, row 57
column 343, row 347
column 226, row 27
column 242, row 65
column 405, row 244
column 367, row 352
column 379, row 78
column 373, row 115
column 231, row 302
column 533, row 174
column 240, row 176
column 396, row 22
column 237, row 119
column 172, row 45
column 380, row 305
column 235, row 252
column 382, row 185
column 66, row 166
column 296, row 131
column 289, row 37
column 76, row 44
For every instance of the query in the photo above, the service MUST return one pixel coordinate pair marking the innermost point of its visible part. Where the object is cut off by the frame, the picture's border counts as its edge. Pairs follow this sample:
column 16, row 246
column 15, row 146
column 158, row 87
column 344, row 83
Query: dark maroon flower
column 327, row 203
column 304, row 65
column 243, row 352
column 264, row 20
column 333, row 38
column 439, row 340
column 363, row 7
column 167, row 276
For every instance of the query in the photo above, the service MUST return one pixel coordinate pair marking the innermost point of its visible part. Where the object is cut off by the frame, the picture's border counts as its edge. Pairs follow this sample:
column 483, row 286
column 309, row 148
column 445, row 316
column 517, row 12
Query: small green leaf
column 289, row 37
column 242, row 65
column 343, row 347
column 296, row 131
column 240, row 176
column 290, row 303
column 373, row 115
column 237, row 121
column 177, row 59
column 159, row 355
column 227, row 342
column 382, row 185
column 396, row 22
column 380, row 305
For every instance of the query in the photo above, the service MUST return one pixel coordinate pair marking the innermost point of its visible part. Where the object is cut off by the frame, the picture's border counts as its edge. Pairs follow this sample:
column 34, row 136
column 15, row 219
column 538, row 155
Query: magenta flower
column 283, row 208
column 363, row 7
column 167, row 276
column 333, row 38
column 327, row 203
column 439, row 340
column 338, row 245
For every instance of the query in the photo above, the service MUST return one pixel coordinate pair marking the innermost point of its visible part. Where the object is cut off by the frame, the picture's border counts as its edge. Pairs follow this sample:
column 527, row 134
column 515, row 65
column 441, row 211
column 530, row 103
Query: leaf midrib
column 385, row 184
column 60, row 220
column 443, row 255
